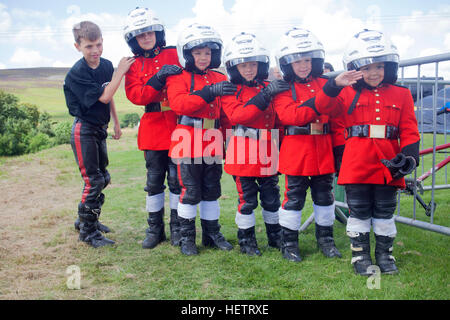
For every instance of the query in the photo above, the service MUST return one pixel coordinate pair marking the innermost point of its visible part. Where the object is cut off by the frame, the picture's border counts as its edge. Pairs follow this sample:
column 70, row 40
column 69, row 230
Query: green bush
column 130, row 120
column 23, row 128
column 45, row 124
column 62, row 132
column 38, row 142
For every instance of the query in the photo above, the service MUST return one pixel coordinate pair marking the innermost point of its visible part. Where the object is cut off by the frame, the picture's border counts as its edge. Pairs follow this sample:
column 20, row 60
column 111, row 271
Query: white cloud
column 447, row 41
column 25, row 58
column 60, row 64
column 2, row 66
column 5, row 18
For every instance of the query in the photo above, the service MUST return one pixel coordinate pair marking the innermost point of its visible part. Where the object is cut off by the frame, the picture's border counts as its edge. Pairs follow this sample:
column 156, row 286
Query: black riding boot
column 211, row 236
column 88, row 228
column 187, row 241
column 325, row 241
column 247, row 241
column 175, row 229
column 101, row 227
column 273, row 235
column 360, row 246
column 289, row 245
column 383, row 254
column 155, row 232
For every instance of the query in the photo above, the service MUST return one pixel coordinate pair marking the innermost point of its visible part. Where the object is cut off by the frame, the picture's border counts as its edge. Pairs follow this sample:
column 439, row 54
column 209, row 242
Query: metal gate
column 416, row 184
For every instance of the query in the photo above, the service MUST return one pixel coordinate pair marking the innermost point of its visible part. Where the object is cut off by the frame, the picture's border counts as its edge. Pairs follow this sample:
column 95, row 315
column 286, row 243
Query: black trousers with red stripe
column 159, row 164
column 248, row 188
column 199, row 181
column 89, row 147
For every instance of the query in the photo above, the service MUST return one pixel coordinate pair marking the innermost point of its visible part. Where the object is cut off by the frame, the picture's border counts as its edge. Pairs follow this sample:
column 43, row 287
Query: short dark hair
column 86, row 30
column 328, row 65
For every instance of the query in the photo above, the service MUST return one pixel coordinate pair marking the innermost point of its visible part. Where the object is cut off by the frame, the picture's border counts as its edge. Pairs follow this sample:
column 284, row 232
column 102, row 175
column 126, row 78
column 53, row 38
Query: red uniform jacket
column 184, row 99
column 386, row 105
column 248, row 157
column 155, row 128
column 305, row 155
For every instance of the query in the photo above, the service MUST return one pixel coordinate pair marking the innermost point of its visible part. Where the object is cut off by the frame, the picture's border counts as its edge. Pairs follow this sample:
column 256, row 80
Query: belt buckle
column 164, row 108
column 209, row 123
column 377, row 131
column 316, row 128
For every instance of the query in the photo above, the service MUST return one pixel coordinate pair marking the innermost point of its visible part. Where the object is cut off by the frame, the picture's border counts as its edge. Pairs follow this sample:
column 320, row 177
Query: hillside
column 33, row 73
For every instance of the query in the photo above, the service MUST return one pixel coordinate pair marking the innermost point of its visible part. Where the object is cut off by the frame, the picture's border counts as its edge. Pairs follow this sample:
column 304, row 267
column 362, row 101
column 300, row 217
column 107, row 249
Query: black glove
column 338, row 152
column 168, row 70
column 273, row 88
column 223, row 88
column 400, row 165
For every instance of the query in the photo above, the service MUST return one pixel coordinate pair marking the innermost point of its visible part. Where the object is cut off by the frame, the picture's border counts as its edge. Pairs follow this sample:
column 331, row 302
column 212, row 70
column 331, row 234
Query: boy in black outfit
column 89, row 88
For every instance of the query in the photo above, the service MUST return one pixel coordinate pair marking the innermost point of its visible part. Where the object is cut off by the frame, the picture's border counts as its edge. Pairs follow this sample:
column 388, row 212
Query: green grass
column 126, row 271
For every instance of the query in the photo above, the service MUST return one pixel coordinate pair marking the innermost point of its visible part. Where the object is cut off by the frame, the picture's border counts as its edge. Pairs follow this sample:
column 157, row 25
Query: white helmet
column 198, row 35
column 244, row 47
column 367, row 47
column 298, row 43
column 141, row 20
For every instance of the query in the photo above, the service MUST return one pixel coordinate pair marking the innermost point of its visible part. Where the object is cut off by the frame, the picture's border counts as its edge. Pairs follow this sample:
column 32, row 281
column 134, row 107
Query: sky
column 38, row 33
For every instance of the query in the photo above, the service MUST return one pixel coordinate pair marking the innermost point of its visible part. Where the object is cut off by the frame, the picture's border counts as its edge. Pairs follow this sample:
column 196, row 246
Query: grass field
column 38, row 241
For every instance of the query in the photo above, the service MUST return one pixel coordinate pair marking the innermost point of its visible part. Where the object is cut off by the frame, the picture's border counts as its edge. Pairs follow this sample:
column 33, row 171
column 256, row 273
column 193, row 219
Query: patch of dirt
column 36, row 239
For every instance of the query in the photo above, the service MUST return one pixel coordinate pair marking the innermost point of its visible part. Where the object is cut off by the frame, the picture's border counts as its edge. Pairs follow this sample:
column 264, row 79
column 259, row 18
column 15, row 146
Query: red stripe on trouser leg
column 180, row 181
column 286, row 189
column 87, row 183
column 241, row 193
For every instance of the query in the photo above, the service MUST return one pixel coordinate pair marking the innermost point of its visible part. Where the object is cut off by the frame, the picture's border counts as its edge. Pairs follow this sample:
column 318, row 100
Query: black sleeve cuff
column 311, row 103
column 412, row 150
column 259, row 101
column 331, row 89
column 155, row 83
column 205, row 94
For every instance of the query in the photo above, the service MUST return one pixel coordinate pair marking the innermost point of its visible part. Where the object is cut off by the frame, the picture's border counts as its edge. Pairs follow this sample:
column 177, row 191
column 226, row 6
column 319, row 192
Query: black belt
column 242, row 131
column 373, row 131
column 199, row 122
column 155, row 107
column 310, row 129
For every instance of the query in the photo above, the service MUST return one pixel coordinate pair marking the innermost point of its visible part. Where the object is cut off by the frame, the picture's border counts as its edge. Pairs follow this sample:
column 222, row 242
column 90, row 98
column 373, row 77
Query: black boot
column 211, row 236
column 325, row 241
column 155, row 232
column 360, row 246
column 289, row 245
column 175, row 229
column 187, row 241
column 101, row 227
column 247, row 241
column 383, row 254
column 273, row 235
column 88, row 228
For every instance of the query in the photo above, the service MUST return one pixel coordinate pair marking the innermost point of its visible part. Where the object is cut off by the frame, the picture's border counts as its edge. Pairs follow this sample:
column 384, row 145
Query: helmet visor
column 356, row 64
column 287, row 59
column 235, row 62
column 156, row 27
column 210, row 43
